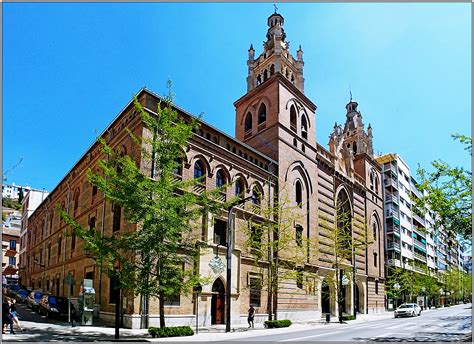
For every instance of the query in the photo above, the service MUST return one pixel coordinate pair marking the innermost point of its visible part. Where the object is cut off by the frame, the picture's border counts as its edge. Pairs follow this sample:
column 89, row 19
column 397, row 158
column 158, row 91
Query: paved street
column 448, row 324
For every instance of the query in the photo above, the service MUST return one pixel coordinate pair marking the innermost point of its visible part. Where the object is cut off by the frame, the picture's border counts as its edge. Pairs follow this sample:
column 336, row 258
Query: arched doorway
column 218, row 303
column 325, row 298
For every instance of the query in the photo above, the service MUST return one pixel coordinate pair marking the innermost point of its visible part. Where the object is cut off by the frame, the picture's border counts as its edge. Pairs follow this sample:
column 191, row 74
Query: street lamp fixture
column 229, row 258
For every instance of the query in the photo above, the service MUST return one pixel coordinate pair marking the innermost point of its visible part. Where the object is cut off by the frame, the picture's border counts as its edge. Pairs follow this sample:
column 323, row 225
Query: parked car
column 408, row 309
column 21, row 295
column 12, row 290
column 33, row 299
column 55, row 306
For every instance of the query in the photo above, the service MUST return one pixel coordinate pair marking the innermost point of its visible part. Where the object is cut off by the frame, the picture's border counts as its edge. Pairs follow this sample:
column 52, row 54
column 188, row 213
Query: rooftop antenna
column 276, row 8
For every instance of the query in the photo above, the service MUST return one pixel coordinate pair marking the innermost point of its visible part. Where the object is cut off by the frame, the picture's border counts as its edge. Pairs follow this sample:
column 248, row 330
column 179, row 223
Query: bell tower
column 275, row 107
column 275, row 57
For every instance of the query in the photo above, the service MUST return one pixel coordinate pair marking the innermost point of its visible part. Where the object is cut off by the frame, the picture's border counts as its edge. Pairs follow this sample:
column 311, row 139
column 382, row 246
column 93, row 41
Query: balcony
column 391, row 183
column 419, row 257
column 408, row 266
column 415, row 191
column 390, row 168
column 199, row 188
column 393, row 228
column 222, row 197
column 394, row 262
column 391, row 198
column 393, row 213
column 419, row 269
column 419, row 244
column 420, row 220
column 391, row 245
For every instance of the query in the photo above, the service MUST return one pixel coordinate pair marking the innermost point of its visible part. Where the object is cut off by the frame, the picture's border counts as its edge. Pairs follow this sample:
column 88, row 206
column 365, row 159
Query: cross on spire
column 276, row 8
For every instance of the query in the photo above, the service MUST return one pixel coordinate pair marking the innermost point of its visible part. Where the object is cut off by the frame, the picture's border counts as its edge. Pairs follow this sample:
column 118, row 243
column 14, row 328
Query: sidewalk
column 45, row 332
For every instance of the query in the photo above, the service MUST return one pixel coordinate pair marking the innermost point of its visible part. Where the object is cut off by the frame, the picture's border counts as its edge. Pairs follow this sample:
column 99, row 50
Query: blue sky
column 68, row 69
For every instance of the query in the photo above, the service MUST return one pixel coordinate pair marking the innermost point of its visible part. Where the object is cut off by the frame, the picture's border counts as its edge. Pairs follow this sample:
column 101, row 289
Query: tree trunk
column 161, row 298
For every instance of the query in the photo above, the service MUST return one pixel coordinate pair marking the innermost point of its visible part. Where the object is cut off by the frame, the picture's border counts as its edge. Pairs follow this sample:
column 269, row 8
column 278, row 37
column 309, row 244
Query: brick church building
column 275, row 150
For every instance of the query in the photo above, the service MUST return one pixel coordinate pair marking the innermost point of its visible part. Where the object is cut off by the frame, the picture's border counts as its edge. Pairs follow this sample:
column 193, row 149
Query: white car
column 408, row 309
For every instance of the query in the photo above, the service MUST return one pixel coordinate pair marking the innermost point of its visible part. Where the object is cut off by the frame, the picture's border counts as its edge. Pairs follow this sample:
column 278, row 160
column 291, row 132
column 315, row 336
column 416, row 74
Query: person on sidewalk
column 7, row 318
column 15, row 315
column 251, row 316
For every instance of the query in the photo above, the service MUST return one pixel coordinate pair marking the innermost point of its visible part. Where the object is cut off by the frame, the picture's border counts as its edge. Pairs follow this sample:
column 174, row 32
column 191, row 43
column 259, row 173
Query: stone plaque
column 217, row 265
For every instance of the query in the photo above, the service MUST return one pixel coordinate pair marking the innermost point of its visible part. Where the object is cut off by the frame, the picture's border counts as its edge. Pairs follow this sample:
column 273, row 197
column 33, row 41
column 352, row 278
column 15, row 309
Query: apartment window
column 117, row 214
column 60, row 241
column 12, row 244
column 376, row 287
column 375, row 259
column 255, row 291
column 49, row 253
column 94, row 190
column 220, row 178
column 12, row 260
column 239, row 188
column 198, row 170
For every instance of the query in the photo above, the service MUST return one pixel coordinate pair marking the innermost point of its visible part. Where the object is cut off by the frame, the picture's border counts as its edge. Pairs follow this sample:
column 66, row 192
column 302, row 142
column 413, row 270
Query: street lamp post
column 397, row 287
column 423, row 289
column 229, row 260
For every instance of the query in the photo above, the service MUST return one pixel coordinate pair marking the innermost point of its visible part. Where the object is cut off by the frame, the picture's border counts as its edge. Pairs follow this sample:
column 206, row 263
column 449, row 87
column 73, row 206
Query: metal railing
column 393, row 229
column 391, row 198
column 391, row 182
column 419, row 243
column 393, row 246
column 390, row 167
column 419, row 256
column 419, row 219
column 394, row 262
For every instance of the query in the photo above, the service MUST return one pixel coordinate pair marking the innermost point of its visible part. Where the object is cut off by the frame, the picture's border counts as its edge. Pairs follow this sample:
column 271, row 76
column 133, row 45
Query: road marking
column 397, row 326
column 316, row 335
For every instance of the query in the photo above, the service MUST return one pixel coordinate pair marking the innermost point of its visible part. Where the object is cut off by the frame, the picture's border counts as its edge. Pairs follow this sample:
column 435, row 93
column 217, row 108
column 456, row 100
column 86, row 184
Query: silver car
column 408, row 310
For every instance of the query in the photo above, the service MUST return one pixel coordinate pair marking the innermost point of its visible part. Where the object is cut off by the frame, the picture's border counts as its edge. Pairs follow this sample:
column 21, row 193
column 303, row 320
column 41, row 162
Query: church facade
column 275, row 151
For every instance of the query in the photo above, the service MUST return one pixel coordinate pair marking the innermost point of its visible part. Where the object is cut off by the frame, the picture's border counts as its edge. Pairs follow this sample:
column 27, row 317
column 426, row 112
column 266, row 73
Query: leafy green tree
column 272, row 236
column 449, row 194
column 155, row 258
column 346, row 243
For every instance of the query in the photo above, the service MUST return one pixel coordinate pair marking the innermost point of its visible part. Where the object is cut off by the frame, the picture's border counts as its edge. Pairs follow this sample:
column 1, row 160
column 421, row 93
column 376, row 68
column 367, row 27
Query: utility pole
column 229, row 261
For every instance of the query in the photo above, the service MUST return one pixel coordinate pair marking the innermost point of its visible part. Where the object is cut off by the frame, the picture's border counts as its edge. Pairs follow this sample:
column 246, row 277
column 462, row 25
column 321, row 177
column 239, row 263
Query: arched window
column 272, row 69
column 199, row 170
column 265, row 75
column 375, row 229
column 178, row 170
column 239, row 188
column 371, row 180
column 304, row 128
column 293, row 118
column 376, row 182
column 257, row 194
column 344, row 224
column 262, row 114
column 354, row 147
column 248, row 122
column 299, row 194
column 220, row 178
column 76, row 201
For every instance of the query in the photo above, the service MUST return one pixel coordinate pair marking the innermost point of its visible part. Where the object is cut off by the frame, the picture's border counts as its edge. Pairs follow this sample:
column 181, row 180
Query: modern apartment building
column 413, row 242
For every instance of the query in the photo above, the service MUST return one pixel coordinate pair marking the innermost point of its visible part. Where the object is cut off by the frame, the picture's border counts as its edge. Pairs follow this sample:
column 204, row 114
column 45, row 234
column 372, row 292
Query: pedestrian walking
column 251, row 316
column 7, row 318
column 14, row 314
